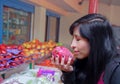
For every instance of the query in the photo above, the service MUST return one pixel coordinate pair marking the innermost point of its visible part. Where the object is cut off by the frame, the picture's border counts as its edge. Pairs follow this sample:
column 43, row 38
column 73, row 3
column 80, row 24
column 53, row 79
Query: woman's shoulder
column 112, row 71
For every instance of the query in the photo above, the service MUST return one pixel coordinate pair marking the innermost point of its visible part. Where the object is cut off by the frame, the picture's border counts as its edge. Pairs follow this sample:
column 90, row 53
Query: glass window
column 16, row 26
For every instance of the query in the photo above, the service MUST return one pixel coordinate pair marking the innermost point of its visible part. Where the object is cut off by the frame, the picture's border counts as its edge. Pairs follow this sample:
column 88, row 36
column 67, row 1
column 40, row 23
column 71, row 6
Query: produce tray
column 23, row 66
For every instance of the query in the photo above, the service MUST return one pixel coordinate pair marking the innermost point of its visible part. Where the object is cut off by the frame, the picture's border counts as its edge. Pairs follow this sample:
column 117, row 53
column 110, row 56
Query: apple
column 3, row 51
column 8, row 56
column 4, row 62
column 20, row 57
column 13, row 64
column 36, row 41
column 2, row 46
column 20, row 47
column 16, row 59
column 1, row 57
column 38, row 47
column 33, row 45
column 62, row 51
column 7, row 66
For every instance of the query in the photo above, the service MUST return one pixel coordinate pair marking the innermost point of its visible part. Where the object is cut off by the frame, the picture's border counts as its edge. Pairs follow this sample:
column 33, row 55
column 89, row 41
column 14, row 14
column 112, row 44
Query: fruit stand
column 19, row 58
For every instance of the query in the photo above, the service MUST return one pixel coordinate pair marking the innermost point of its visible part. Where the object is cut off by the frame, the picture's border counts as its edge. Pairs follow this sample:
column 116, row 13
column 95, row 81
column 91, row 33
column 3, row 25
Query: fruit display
column 62, row 51
column 13, row 55
column 10, row 56
column 37, row 49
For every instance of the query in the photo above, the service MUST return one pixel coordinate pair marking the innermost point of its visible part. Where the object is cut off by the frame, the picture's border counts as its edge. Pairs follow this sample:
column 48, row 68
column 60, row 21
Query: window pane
column 16, row 26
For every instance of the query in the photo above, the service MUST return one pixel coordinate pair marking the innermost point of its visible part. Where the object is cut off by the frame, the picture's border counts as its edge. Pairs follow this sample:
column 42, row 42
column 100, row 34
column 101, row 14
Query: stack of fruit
column 13, row 55
column 10, row 56
column 37, row 49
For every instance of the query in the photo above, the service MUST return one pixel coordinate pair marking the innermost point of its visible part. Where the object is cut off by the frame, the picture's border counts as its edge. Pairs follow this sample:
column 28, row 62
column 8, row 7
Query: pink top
column 101, row 79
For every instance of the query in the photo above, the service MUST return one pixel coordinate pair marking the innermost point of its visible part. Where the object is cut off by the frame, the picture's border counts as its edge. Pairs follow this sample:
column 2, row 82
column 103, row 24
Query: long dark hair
column 98, row 31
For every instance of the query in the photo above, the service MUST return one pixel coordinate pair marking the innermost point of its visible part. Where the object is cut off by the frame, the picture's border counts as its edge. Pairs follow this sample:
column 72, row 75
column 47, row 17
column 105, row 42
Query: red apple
column 2, row 46
column 62, row 51
column 4, row 62
column 20, row 57
column 1, row 57
column 13, row 64
column 16, row 59
column 7, row 66
column 3, row 51
column 20, row 47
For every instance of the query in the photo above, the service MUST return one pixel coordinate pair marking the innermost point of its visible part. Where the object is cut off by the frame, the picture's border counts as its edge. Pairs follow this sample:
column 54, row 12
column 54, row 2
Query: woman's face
column 80, row 45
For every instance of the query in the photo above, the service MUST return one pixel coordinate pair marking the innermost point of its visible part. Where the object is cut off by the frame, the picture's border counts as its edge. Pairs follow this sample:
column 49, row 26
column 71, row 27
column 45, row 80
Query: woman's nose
column 73, row 44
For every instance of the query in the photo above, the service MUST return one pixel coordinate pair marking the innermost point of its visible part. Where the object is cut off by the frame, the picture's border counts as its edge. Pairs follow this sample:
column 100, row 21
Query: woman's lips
column 76, row 52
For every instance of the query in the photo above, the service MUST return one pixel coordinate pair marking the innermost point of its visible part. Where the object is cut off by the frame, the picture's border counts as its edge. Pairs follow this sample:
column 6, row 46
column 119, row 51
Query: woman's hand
column 62, row 65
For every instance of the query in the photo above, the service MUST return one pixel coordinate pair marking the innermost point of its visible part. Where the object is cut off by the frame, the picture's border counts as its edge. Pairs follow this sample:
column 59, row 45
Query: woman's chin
column 79, row 57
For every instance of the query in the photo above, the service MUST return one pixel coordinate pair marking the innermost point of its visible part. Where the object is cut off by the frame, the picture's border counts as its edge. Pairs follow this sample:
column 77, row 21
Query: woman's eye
column 78, row 39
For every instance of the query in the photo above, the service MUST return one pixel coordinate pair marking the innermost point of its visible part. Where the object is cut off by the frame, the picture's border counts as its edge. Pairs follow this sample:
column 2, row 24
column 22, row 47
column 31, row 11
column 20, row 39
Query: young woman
column 93, row 45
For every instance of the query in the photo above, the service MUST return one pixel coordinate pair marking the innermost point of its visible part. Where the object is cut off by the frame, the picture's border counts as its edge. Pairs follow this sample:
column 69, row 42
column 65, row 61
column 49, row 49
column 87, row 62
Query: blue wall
column 50, row 13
